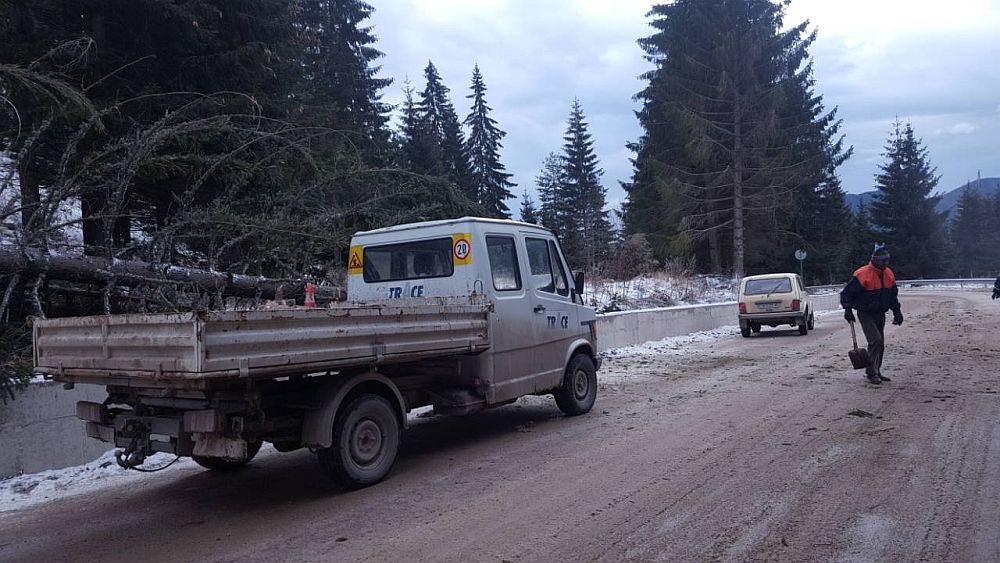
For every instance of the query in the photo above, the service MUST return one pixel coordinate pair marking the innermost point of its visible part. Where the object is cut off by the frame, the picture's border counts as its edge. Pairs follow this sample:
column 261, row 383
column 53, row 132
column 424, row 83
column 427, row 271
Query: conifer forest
column 170, row 155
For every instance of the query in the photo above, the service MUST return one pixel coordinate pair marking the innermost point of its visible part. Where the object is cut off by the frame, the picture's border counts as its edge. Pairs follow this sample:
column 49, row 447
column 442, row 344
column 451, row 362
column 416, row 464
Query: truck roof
column 444, row 222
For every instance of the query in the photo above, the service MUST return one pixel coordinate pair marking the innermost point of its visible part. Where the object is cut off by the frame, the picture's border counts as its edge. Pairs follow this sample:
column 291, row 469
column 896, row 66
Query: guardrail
column 961, row 282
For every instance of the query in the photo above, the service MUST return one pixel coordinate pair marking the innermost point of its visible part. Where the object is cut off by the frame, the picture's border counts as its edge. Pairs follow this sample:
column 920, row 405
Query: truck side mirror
column 578, row 282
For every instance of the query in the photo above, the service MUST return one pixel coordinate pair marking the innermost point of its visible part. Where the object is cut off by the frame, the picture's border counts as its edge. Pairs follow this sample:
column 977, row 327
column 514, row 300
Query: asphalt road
column 763, row 449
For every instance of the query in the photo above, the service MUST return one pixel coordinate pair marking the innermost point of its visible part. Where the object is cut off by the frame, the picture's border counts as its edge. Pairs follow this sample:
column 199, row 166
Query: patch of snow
column 656, row 290
column 674, row 345
column 28, row 490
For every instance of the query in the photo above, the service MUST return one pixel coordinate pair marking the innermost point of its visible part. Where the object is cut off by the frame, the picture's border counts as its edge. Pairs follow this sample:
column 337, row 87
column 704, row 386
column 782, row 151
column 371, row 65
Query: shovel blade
column 859, row 358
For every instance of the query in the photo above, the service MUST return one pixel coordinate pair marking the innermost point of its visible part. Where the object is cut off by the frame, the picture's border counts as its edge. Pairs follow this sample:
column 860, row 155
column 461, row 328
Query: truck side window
column 540, row 265
column 503, row 263
column 562, row 286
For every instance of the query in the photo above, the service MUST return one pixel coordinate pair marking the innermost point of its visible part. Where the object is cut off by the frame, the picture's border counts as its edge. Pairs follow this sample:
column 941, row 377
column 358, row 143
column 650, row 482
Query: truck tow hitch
column 138, row 448
column 135, row 453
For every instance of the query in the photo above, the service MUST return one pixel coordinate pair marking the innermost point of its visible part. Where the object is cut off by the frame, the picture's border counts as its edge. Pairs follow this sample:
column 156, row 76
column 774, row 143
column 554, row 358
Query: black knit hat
column 881, row 251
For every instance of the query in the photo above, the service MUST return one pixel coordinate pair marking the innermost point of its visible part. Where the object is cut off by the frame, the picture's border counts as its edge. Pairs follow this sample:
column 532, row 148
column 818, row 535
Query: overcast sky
column 936, row 64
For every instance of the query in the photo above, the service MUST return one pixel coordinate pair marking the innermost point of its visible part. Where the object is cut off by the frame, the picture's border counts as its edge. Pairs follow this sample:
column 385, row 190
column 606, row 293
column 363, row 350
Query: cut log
column 97, row 270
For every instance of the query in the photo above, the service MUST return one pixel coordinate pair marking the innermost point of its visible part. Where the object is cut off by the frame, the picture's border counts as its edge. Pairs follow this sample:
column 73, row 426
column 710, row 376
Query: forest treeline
column 251, row 137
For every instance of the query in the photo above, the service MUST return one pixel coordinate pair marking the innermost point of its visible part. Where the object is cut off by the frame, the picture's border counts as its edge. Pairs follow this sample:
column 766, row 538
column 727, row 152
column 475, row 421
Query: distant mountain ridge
column 987, row 187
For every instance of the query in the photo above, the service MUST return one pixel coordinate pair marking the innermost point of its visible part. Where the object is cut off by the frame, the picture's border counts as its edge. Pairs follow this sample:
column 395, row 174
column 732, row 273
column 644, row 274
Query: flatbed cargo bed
column 200, row 349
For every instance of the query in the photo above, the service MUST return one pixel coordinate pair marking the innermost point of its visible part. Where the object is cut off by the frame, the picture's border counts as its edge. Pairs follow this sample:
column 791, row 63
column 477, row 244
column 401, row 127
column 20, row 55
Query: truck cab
column 539, row 321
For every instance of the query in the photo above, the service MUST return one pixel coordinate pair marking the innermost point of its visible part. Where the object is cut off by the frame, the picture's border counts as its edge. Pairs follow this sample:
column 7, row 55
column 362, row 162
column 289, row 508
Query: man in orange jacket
column 872, row 291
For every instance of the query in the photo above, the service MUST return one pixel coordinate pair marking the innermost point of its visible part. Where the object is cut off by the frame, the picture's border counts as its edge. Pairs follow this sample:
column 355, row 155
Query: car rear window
column 768, row 285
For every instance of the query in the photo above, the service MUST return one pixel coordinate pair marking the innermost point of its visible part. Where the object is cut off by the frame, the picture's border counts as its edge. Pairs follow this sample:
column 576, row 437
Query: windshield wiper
column 775, row 288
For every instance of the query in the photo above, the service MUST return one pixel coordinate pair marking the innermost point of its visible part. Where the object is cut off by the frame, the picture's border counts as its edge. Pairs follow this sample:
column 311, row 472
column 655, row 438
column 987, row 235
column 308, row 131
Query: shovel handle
column 854, row 337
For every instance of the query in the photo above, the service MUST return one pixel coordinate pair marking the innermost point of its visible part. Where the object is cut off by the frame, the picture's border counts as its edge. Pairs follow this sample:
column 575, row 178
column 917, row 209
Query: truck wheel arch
column 317, row 428
column 581, row 346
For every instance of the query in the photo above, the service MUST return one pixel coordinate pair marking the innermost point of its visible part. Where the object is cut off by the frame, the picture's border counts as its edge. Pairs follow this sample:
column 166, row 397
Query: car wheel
column 754, row 327
column 812, row 322
column 803, row 327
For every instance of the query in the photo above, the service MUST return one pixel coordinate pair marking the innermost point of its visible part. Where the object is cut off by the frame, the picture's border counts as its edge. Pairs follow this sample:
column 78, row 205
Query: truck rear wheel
column 579, row 389
column 220, row 464
column 366, row 437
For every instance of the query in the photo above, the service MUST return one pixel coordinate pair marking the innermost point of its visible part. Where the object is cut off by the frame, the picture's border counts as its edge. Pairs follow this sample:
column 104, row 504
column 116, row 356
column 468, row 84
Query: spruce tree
column 731, row 130
column 140, row 75
column 861, row 238
column 341, row 87
column 439, row 118
column 969, row 244
column 587, row 231
column 529, row 214
column 421, row 151
column 903, row 209
column 548, row 181
column 489, row 180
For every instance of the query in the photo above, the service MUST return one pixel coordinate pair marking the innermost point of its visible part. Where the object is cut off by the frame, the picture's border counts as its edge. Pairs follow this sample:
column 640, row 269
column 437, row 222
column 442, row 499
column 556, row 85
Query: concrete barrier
column 629, row 328
column 39, row 429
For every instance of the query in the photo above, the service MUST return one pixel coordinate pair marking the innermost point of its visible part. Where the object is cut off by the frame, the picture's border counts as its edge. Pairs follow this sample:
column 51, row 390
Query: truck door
column 513, row 338
column 554, row 316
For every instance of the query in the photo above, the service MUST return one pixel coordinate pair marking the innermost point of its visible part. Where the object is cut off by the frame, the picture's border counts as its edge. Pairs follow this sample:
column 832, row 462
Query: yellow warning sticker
column 461, row 249
column 355, row 264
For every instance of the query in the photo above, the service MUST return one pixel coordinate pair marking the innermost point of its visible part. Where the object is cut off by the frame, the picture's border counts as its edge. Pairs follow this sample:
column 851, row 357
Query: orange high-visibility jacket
column 871, row 290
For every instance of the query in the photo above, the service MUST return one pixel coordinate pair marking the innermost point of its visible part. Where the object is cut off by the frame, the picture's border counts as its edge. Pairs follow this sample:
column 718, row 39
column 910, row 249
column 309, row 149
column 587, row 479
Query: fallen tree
column 96, row 270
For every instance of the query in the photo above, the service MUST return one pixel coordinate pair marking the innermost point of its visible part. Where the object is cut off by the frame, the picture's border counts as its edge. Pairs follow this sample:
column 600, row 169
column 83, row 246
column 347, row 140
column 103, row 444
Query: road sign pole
column 800, row 255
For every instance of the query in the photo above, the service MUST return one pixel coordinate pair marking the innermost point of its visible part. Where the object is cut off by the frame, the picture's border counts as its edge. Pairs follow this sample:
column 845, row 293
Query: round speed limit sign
column 462, row 249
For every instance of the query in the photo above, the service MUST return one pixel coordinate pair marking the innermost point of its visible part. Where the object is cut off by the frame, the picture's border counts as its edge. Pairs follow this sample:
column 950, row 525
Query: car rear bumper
column 776, row 316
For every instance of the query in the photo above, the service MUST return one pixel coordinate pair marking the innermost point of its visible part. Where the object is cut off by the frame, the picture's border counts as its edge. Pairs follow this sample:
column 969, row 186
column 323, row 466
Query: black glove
column 849, row 315
column 996, row 292
column 897, row 317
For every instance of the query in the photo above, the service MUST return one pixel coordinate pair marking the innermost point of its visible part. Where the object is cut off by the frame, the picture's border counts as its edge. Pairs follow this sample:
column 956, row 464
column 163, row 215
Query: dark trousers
column 874, row 326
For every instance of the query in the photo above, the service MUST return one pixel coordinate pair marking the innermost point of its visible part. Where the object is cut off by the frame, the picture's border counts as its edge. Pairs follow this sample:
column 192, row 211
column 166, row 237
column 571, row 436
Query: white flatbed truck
column 461, row 314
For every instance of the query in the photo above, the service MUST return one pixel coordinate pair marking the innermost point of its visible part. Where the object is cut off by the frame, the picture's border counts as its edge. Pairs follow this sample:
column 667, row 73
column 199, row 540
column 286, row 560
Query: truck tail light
column 796, row 304
column 743, row 308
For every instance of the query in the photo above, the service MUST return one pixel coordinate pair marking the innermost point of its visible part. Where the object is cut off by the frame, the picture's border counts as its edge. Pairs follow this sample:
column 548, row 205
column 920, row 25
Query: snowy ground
column 658, row 289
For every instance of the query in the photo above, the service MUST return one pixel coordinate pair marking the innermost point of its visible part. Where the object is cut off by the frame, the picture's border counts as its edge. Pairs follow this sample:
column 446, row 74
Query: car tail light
column 743, row 308
column 796, row 304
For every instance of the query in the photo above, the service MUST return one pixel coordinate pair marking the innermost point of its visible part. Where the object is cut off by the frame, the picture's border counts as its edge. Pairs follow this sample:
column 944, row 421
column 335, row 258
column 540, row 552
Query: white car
column 774, row 300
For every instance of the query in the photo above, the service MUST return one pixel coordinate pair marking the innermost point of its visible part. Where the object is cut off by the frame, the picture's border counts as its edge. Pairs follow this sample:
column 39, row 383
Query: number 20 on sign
column 461, row 245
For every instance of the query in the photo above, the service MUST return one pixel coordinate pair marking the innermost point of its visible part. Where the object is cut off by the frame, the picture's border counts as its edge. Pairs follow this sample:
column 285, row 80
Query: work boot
column 874, row 379
column 883, row 378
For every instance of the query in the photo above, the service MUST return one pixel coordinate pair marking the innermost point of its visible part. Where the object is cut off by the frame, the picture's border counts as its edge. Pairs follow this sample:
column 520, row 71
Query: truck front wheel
column 579, row 388
column 366, row 435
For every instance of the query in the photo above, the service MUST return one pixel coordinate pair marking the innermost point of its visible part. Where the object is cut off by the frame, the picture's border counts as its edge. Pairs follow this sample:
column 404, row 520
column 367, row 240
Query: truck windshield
column 408, row 261
column 768, row 285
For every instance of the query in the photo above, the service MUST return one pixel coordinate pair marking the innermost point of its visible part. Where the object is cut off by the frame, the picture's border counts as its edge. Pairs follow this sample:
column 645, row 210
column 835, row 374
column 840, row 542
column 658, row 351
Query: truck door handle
column 539, row 308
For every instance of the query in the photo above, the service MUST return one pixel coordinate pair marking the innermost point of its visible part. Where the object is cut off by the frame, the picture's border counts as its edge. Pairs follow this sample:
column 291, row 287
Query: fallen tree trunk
column 131, row 273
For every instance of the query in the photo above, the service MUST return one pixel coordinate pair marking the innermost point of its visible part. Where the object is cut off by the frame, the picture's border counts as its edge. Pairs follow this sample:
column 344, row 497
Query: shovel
column 859, row 356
